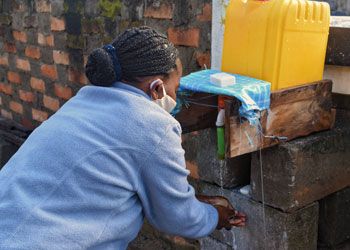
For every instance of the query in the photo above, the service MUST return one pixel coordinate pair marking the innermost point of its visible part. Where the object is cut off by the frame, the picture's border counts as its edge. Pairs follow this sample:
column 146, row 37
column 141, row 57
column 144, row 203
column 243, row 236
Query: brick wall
column 44, row 45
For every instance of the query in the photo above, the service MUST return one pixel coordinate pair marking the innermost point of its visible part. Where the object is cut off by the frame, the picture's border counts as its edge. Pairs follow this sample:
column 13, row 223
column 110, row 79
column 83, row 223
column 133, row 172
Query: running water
column 261, row 137
column 262, row 197
column 222, row 166
column 234, row 245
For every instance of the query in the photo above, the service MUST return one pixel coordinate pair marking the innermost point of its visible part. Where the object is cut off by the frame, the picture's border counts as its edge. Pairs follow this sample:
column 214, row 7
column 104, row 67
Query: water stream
column 261, row 137
column 222, row 166
column 234, row 245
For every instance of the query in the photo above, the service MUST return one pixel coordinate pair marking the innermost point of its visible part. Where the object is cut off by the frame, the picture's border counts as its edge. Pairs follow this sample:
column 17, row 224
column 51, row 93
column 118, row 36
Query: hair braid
column 141, row 52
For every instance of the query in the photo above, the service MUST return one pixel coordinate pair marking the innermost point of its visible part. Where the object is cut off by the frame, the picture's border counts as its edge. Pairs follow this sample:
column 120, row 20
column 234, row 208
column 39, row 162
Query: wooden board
column 293, row 113
column 200, row 114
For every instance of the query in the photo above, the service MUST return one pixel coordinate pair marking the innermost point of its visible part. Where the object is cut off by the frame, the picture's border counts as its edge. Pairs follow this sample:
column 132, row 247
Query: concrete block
column 149, row 239
column 304, row 170
column 296, row 230
column 334, row 219
column 202, row 161
column 342, row 119
column 343, row 246
column 341, row 103
column 209, row 243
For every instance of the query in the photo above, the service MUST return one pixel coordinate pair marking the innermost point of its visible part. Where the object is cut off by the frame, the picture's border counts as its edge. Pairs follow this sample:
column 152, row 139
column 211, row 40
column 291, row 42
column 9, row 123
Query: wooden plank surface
column 200, row 114
column 293, row 113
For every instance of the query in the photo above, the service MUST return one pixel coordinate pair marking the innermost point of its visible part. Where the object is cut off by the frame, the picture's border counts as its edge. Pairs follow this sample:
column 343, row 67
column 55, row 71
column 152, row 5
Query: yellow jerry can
column 280, row 41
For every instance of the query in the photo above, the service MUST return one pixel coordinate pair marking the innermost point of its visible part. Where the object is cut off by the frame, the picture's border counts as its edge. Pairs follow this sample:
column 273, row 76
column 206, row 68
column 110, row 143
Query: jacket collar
column 129, row 88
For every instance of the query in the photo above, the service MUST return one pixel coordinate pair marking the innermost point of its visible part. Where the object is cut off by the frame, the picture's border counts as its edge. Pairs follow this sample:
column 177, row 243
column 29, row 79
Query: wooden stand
column 293, row 113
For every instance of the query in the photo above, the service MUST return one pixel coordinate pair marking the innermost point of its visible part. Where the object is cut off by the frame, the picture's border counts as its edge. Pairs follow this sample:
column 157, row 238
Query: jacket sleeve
column 168, row 199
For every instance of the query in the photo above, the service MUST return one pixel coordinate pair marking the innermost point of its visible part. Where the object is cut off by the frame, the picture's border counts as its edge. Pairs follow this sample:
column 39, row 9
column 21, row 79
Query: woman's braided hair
column 140, row 52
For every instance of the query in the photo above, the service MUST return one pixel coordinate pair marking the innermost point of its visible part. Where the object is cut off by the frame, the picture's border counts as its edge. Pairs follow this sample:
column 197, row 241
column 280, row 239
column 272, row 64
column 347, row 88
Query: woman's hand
column 228, row 216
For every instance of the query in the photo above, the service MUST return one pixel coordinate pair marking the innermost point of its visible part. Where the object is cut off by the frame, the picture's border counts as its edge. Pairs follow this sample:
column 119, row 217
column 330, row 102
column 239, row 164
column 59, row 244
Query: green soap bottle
column 221, row 142
column 220, row 130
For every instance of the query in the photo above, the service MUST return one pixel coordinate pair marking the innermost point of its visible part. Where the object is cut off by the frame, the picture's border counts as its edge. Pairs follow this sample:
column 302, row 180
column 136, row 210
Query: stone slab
column 334, row 219
column 340, row 78
column 341, row 101
column 202, row 161
column 297, row 230
column 338, row 46
column 150, row 238
column 210, row 243
column 302, row 171
column 343, row 246
column 342, row 119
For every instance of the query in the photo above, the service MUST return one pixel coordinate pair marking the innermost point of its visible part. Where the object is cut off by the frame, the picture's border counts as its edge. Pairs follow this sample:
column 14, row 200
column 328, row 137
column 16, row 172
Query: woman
column 111, row 155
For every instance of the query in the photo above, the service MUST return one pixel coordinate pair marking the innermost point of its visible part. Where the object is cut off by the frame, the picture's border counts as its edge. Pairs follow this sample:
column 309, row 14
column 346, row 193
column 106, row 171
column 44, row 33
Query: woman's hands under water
column 228, row 216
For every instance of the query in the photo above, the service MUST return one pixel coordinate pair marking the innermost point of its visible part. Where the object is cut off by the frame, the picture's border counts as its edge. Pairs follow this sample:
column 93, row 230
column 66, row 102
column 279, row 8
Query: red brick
column 50, row 40
column 206, row 14
column 37, row 84
column 4, row 60
column 16, row 107
column 63, row 92
column 13, row 77
column 60, row 57
column 19, row 7
column 26, row 96
column 33, row 52
column 51, row 103
column 185, row 37
column 42, row 6
column 203, row 59
column 85, row 59
column 57, row 24
column 6, row 114
column 10, row 47
column 27, row 123
column 41, row 39
column 45, row 40
column 22, row 64
column 193, row 168
column 49, row 71
column 6, row 88
column 77, row 76
column 164, row 11
column 39, row 115
column 19, row 36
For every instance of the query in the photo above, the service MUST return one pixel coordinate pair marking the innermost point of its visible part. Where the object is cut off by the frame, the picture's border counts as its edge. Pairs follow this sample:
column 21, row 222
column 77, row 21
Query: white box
column 222, row 79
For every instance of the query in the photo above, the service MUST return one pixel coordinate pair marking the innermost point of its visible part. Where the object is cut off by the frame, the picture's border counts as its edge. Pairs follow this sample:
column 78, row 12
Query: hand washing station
column 276, row 46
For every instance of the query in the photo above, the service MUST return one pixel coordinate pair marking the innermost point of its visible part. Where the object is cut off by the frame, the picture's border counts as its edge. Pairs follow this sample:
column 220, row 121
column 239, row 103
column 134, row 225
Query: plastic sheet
column 254, row 94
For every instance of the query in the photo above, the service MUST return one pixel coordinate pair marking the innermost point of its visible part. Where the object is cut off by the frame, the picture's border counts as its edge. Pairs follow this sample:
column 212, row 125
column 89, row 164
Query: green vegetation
column 110, row 8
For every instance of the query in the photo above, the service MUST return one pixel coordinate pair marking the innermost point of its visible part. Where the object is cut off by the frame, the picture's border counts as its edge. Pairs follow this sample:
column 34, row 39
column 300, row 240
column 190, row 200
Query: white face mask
column 166, row 102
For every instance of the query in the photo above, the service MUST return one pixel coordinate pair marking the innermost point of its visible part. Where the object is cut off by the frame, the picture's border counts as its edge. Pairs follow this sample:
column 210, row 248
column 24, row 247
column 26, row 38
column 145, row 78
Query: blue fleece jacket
column 87, row 176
